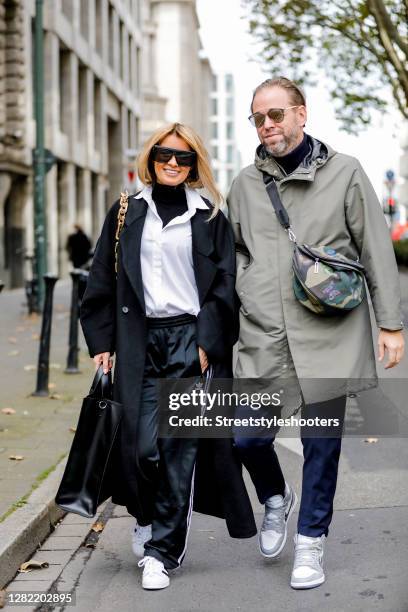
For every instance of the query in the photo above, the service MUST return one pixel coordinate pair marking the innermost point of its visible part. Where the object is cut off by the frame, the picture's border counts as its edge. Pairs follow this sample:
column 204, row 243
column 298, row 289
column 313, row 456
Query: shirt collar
column 194, row 202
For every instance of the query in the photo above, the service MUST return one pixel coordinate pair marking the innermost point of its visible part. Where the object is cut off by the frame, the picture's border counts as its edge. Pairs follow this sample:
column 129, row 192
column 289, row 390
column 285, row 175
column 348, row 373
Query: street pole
column 72, row 358
column 40, row 232
column 45, row 339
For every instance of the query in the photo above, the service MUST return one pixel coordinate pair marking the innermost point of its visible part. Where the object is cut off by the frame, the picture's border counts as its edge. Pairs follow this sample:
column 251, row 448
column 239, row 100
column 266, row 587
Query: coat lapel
column 130, row 242
column 203, row 246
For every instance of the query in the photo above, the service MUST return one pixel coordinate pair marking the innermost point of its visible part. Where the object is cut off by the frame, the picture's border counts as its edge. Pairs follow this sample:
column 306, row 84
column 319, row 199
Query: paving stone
column 55, row 542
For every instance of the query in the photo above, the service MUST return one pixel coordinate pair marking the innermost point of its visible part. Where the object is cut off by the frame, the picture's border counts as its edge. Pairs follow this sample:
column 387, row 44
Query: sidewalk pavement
column 38, row 429
column 371, row 502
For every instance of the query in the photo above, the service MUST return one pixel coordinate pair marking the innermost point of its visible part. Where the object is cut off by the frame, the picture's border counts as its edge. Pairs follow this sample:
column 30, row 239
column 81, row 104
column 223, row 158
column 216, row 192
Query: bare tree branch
column 387, row 44
column 387, row 24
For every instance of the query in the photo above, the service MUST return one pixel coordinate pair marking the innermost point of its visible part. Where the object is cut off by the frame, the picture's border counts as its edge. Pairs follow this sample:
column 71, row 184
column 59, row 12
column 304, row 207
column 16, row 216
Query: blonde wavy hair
column 201, row 174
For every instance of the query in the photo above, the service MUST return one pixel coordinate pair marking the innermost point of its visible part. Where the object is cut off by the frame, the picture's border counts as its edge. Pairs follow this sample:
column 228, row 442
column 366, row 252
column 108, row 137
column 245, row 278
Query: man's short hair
column 297, row 95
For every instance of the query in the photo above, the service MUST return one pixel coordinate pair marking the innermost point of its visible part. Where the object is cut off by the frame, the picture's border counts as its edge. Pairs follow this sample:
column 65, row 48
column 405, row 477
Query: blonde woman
column 168, row 314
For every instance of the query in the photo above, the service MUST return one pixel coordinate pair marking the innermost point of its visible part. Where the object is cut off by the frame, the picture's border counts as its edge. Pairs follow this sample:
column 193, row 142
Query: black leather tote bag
column 86, row 480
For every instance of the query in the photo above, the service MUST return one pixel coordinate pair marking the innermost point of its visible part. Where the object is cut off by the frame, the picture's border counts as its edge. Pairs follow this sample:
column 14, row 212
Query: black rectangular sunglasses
column 164, row 154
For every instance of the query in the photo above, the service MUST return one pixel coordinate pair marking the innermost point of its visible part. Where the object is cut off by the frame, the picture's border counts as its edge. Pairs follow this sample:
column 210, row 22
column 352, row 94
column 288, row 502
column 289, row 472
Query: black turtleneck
column 170, row 201
column 292, row 160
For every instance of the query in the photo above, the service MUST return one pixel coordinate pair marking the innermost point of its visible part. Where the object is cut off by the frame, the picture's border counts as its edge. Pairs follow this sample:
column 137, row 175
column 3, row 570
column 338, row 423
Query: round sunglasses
column 164, row 155
column 276, row 115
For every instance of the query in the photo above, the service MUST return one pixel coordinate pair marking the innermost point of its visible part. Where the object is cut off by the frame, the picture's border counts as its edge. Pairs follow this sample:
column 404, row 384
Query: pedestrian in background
column 330, row 201
column 169, row 314
column 79, row 247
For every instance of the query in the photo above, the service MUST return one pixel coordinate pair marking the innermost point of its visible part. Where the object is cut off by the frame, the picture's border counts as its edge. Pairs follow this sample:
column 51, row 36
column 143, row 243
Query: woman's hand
column 203, row 359
column 105, row 360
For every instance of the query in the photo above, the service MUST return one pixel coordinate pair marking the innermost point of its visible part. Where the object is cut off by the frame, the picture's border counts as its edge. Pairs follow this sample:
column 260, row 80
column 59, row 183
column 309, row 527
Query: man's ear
column 302, row 115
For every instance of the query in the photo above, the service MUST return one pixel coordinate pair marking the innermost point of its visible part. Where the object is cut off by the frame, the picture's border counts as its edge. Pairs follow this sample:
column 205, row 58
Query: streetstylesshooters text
column 254, row 401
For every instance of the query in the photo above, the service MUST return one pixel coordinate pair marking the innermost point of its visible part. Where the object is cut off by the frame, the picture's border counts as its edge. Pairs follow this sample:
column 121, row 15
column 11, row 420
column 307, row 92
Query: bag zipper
column 349, row 266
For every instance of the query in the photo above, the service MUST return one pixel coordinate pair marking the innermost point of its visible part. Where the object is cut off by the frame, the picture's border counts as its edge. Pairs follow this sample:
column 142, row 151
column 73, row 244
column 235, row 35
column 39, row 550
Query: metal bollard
column 83, row 280
column 1, row 286
column 44, row 352
column 73, row 350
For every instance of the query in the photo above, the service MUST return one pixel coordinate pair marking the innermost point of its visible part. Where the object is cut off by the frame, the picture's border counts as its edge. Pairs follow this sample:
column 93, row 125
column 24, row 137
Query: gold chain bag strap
column 124, row 202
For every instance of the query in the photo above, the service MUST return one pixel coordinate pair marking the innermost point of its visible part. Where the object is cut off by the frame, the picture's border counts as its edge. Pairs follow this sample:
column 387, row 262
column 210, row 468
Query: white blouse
column 166, row 259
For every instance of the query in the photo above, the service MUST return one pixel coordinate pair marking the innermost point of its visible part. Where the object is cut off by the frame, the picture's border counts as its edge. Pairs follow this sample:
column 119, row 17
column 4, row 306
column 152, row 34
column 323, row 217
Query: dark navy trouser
column 321, row 453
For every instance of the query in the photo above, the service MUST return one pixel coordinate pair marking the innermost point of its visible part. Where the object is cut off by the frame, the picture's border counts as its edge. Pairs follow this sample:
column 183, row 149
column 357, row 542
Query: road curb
column 23, row 531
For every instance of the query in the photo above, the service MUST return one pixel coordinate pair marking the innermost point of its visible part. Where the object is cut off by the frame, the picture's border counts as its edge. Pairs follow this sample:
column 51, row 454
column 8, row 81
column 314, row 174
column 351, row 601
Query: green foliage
column 361, row 45
column 401, row 252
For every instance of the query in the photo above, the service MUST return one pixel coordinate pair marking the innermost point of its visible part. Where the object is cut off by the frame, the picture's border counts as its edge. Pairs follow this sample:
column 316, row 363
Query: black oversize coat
column 113, row 319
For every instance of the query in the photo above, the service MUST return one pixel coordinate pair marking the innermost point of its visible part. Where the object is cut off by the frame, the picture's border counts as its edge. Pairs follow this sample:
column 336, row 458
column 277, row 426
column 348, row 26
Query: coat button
column 125, row 309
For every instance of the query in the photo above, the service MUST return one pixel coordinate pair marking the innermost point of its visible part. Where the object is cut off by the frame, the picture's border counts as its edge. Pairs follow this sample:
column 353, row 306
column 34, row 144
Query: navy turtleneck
column 170, row 201
column 292, row 160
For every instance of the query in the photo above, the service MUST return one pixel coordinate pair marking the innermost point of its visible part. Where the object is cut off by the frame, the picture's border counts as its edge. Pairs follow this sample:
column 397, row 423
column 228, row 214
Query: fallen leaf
column 98, row 527
column 30, row 565
column 30, row 367
column 13, row 353
column 8, row 411
column 12, row 340
column 35, row 336
column 73, row 429
column 371, row 440
column 16, row 457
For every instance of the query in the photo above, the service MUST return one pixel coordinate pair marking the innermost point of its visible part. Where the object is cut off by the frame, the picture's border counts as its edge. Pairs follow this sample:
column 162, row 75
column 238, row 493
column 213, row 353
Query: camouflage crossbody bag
column 324, row 281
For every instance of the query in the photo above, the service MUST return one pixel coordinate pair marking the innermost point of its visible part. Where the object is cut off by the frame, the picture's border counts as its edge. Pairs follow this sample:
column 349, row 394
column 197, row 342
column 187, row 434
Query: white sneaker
column 154, row 574
column 278, row 510
column 308, row 565
column 140, row 535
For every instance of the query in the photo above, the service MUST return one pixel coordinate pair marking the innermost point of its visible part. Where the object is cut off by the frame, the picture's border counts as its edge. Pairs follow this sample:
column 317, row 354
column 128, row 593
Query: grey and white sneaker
column 278, row 510
column 308, row 565
column 140, row 535
column 154, row 574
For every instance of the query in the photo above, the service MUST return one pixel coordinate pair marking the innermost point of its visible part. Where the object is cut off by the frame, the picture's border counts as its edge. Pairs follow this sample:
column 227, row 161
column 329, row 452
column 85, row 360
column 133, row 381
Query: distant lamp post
column 43, row 159
column 390, row 202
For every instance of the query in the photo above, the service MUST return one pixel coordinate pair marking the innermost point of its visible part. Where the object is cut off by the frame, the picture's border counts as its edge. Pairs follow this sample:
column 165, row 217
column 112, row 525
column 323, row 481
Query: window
column 214, row 82
column 230, row 130
column 97, row 113
column 64, row 90
column 214, row 106
column 98, row 27
column 82, row 103
column 111, row 41
column 229, row 83
column 230, row 106
column 230, row 154
column 122, row 56
column 214, row 130
column 84, row 19
column 214, row 152
column 67, row 9
column 216, row 175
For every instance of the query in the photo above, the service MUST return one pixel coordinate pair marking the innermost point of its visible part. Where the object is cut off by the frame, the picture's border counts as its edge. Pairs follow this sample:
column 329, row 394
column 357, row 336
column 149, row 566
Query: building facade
column 115, row 70
column 177, row 72
column 92, row 108
column 15, row 142
column 226, row 158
